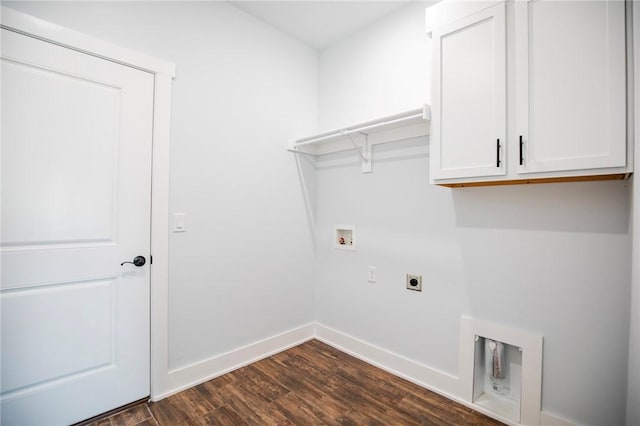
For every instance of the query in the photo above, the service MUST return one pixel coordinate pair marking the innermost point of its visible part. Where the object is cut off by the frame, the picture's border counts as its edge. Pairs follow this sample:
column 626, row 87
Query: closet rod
column 372, row 125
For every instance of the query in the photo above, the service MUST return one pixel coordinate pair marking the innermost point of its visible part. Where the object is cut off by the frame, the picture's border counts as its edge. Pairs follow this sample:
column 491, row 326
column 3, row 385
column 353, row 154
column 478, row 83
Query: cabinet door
column 570, row 65
column 469, row 96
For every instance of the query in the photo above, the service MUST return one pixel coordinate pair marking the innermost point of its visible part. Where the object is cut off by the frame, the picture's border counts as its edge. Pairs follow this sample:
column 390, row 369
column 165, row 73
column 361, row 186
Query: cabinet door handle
column 498, row 153
column 521, row 144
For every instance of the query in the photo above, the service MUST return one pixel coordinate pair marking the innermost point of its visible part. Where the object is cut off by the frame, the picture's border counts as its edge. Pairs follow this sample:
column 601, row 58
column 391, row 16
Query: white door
column 76, row 169
column 571, row 98
column 469, row 96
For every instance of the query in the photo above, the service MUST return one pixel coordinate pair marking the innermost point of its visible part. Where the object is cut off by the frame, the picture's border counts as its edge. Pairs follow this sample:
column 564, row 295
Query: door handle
column 138, row 261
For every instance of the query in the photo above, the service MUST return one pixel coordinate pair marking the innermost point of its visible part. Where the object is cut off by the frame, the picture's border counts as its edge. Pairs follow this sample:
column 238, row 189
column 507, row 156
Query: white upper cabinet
column 469, row 94
column 565, row 64
column 570, row 82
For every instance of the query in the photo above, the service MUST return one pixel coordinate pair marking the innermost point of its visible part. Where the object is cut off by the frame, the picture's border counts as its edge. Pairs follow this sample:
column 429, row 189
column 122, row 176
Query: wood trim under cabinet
column 616, row 176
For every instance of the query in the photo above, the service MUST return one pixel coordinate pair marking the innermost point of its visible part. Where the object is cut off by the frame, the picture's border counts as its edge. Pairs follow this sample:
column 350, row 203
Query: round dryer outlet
column 414, row 282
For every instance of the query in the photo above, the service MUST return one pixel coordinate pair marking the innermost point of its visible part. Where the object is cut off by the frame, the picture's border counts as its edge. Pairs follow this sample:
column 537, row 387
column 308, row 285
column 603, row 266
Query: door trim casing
column 163, row 73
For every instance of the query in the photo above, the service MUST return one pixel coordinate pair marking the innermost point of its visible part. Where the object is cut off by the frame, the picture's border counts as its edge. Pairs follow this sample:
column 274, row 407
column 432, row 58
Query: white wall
column 376, row 72
column 242, row 270
column 552, row 259
column 633, row 392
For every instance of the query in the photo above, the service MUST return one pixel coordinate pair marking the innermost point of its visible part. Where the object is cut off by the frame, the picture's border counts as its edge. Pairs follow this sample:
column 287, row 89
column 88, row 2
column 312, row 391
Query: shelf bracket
column 364, row 152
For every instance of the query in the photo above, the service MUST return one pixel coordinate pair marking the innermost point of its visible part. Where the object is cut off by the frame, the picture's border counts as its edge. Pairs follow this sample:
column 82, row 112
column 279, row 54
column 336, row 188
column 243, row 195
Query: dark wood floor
column 311, row 384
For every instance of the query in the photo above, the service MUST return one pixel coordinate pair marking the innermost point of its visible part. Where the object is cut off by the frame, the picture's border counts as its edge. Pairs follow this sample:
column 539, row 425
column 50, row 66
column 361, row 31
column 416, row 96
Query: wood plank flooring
column 310, row 384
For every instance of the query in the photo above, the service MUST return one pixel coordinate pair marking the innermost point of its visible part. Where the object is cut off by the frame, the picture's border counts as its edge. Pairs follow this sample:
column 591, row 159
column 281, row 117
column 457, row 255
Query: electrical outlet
column 414, row 282
column 372, row 274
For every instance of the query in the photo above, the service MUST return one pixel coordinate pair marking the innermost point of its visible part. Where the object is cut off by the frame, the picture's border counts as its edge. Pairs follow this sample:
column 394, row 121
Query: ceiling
column 319, row 23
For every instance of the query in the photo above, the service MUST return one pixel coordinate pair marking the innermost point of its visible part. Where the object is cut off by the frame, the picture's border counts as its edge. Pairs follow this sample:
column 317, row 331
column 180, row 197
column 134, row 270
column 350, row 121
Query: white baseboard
column 547, row 419
column 422, row 375
column 191, row 375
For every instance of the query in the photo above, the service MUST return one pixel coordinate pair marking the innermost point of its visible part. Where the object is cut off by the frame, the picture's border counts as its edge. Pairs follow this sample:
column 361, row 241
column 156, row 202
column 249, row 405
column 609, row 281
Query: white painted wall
column 633, row 391
column 242, row 270
column 376, row 72
column 551, row 259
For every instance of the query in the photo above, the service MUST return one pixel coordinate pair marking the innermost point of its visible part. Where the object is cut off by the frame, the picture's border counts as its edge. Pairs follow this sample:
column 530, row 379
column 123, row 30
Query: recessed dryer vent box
column 502, row 370
column 498, row 377
column 344, row 237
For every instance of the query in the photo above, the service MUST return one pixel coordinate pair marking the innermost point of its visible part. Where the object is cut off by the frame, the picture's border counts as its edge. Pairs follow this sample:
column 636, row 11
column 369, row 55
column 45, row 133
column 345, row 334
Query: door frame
column 164, row 73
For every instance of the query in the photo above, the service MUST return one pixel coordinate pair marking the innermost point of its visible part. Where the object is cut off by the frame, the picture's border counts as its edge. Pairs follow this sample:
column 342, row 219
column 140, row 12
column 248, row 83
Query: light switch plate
column 179, row 222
